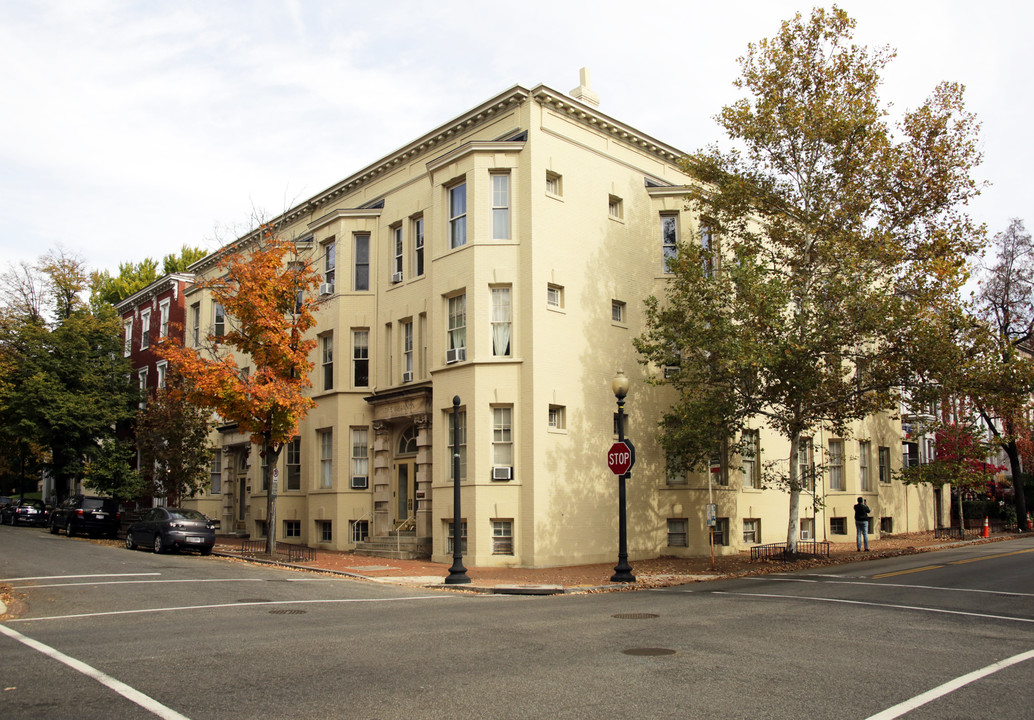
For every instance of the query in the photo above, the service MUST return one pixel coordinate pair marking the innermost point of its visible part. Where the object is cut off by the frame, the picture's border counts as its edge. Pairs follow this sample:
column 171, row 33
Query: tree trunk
column 272, row 455
column 795, row 496
column 1016, row 467
column 958, row 507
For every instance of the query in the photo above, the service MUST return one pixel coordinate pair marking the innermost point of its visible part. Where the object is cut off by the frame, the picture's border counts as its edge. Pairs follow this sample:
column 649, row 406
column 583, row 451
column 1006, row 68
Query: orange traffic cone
column 987, row 529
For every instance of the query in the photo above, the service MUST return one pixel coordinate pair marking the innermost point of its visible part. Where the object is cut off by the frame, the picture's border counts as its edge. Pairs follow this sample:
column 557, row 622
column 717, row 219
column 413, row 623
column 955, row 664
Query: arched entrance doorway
column 404, row 481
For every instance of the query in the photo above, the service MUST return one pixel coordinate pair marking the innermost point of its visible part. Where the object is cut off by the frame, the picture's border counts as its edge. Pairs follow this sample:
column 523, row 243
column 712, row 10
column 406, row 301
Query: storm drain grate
column 648, row 651
column 635, row 616
column 287, row 611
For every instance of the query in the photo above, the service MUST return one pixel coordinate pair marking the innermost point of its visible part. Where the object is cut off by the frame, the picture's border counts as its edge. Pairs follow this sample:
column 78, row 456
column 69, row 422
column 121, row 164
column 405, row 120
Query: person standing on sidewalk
column 861, row 523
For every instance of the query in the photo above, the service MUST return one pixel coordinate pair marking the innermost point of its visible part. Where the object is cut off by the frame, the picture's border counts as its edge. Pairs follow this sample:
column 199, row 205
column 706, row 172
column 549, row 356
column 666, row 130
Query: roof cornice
column 343, row 214
column 473, row 147
column 154, row 289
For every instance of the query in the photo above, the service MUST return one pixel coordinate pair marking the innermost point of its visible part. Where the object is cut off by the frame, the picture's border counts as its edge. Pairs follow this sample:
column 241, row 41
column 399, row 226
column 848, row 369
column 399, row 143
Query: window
column 501, row 322
column 807, row 529
column 557, row 417
column 836, row 465
column 327, row 348
column 500, row 206
column 751, row 461
column 218, row 320
column 615, row 208
column 721, row 531
column 396, row 233
column 719, row 465
column 407, row 351
column 707, row 250
column 752, row 531
column 449, row 536
column 457, row 327
column 554, row 184
column 460, row 418
column 326, row 458
column 502, row 537
column 675, row 477
column 678, row 532
column 294, row 464
column 360, row 458
column 163, row 321
column 805, row 474
column 162, row 367
column 864, row 473
column 458, row 215
column 362, row 263
column 195, row 323
column 141, row 376
column 886, row 525
column 127, row 345
column 359, row 530
column 215, row 486
column 669, row 237
column 502, row 437
column 418, row 247
column 884, row 460
column 329, row 264
column 145, row 329
column 554, row 296
column 838, row 526
column 292, row 528
column 360, row 358
column 325, row 530
column 617, row 311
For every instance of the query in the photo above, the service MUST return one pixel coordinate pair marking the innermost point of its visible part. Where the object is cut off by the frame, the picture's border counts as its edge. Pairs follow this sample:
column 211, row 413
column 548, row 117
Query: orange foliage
column 267, row 293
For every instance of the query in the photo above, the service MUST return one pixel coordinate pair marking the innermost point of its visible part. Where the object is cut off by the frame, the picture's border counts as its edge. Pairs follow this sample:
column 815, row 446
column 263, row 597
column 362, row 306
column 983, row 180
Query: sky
column 130, row 128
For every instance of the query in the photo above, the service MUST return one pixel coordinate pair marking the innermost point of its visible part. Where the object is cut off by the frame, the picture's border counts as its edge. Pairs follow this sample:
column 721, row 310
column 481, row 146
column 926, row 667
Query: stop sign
column 621, row 457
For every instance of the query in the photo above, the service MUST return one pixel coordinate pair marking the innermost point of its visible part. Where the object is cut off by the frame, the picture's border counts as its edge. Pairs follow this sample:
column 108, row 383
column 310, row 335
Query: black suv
column 86, row 514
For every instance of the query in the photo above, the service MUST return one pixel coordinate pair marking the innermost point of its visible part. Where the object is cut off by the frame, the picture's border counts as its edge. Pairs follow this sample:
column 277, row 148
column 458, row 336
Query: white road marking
column 950, row 686
column 69, row 577
column 132, row 582
column 897, row 585
column 883, row 605
column 231, row 605
column 145, row 701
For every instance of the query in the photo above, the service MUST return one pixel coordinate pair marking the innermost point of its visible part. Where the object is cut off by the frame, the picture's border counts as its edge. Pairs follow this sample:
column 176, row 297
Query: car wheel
column 130, row 545
column 53, row 528
column 206, row 551
column 70, row 529
column 159, row 546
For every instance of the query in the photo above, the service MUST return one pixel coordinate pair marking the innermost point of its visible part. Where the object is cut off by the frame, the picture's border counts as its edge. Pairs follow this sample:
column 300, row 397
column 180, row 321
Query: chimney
column 583, row 92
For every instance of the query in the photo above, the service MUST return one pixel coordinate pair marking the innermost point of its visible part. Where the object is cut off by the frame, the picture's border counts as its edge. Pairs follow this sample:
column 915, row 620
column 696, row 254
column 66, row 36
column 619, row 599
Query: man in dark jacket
column 861, row 523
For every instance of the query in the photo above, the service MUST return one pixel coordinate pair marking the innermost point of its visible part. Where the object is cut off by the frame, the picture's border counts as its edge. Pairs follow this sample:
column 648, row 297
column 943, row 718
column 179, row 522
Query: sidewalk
column 658, row 572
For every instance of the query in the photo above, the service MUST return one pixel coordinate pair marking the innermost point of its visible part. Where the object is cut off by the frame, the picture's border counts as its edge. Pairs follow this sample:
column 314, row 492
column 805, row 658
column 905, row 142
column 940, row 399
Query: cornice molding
column 344, row 214
column 153, row 290
column 474, row 146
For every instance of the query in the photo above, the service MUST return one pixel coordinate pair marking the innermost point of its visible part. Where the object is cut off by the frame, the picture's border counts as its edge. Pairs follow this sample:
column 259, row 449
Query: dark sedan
column 164, row 529
column 29, row 512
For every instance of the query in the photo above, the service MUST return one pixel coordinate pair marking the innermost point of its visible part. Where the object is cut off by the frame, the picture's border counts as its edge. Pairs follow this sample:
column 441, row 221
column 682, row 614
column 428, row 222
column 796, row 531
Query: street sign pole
column 623, row 571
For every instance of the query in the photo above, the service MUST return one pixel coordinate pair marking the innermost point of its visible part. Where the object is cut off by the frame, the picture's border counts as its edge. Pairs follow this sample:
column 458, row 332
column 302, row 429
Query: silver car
column 164, row 529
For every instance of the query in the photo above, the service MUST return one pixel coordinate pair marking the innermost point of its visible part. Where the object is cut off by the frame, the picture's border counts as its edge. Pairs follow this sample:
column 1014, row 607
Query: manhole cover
column 254, row 600
column 648, row 651
column 635, row 616
column 287, row 611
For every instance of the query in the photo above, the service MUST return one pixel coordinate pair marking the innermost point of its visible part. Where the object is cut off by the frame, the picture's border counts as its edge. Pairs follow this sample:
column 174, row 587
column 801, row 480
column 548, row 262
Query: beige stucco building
column 503, row 259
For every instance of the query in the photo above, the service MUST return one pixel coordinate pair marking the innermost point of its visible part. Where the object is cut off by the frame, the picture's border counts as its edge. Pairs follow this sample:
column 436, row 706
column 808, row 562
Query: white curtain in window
column 500, row 321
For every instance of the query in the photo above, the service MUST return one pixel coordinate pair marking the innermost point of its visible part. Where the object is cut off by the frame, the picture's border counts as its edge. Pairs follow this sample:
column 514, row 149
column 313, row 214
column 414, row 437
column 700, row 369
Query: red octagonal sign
column 621, row 457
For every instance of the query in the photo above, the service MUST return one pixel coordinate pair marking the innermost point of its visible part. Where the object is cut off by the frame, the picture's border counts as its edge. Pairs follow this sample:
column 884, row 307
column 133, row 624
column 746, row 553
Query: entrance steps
column 404, row 546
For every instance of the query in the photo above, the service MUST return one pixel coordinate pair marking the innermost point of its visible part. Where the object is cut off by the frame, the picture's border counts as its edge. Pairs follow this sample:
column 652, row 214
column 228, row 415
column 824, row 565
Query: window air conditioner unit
column 326, row 288
column 502, row 473
column 360, row 482
column 407, row 377
column 805, row 535
column 396, row 277
column 455, row 355
column 670, row 370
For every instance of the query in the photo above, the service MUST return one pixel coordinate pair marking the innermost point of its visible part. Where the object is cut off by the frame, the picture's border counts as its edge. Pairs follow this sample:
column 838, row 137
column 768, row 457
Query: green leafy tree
column 832, row 248
column 172, row 437
column 111, row 470
column 133, row 277
column 179, row 263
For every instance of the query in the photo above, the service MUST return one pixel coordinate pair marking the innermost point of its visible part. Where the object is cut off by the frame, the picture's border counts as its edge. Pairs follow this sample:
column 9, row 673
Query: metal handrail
column 408, row 524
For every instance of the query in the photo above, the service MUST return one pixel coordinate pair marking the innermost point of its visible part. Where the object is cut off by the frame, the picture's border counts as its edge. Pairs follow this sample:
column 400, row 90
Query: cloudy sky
column 129, row 128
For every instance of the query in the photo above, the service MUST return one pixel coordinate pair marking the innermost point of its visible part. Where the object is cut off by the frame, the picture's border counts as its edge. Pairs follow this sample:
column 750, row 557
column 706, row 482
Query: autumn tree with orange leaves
column 266, row 290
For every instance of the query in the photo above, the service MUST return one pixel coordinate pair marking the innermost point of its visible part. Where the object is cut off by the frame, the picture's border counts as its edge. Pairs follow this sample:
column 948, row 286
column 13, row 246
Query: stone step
column 402, row 548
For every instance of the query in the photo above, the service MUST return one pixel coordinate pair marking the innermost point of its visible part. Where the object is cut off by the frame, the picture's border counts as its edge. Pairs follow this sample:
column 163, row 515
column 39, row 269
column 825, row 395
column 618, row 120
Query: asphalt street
column 104, row 632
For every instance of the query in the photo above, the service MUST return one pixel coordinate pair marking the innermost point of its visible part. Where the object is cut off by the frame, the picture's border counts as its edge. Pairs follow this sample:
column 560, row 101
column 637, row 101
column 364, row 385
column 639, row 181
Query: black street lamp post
column 622, row 571
column 457, row 573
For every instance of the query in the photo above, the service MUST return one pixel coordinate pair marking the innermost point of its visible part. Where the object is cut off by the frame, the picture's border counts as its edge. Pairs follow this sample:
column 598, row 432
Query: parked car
column 5, row 501
column 86, row 514
column 30, row 512
column 164, row 529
